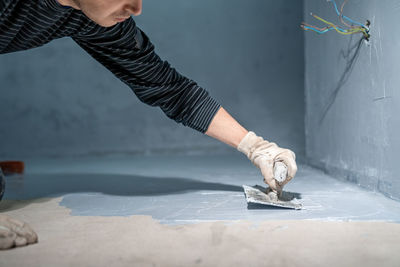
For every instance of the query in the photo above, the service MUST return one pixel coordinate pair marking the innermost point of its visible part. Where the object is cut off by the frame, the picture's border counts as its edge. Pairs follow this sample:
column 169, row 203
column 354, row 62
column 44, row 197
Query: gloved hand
column 15, row 233
column 264, row 155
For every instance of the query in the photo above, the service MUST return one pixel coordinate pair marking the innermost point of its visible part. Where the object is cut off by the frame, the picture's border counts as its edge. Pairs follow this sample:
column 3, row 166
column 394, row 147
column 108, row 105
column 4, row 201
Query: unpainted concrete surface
column 66, row 240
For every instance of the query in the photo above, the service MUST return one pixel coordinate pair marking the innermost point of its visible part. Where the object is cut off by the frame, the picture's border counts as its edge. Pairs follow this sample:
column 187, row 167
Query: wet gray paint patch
column 191, row 189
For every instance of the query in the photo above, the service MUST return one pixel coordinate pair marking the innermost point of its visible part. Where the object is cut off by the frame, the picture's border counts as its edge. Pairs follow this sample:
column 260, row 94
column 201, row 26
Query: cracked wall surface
column 352, row 96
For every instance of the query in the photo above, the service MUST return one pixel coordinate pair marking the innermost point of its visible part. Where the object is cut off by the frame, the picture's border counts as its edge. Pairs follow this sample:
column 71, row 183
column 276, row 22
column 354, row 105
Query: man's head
column 106, row 12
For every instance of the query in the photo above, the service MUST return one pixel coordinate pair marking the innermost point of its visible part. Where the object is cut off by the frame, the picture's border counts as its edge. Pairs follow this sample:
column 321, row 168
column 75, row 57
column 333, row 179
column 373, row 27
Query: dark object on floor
column 257, row 196
column 2, row 184
column 12, row 167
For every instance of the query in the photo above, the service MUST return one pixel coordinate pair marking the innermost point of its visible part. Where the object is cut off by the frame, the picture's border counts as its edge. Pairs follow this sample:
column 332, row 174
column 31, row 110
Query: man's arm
column 128, row 53
column 226, row 129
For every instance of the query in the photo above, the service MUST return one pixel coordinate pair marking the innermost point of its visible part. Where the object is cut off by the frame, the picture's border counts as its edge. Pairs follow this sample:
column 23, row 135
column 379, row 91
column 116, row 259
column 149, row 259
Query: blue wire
column 349, row 19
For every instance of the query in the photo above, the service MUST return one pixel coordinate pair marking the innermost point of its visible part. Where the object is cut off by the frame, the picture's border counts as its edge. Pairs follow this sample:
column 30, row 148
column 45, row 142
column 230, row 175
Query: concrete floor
column 194, row 204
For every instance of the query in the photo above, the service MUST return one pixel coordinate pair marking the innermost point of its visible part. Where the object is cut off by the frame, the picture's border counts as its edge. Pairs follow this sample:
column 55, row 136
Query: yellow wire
column 350, row 31
column 347, row 32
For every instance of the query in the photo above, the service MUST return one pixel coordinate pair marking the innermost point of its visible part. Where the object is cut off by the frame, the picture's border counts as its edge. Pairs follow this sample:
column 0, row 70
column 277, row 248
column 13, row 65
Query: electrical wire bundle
column 356, row 27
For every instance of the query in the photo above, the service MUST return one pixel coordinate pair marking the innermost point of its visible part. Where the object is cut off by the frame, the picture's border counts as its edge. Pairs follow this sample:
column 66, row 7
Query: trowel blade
column 256, row 195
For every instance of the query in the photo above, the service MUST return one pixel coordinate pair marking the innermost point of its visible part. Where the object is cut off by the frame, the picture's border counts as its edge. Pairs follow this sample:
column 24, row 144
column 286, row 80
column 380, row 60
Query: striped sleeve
column 128, row 53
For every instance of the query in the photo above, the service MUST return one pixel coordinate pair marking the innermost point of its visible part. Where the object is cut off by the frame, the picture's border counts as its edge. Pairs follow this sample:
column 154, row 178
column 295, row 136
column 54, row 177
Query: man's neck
column 72, row 3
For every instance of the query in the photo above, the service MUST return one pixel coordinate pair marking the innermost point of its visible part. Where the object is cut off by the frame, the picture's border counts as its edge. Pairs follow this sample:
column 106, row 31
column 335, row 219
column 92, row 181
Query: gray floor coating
column 176, row 189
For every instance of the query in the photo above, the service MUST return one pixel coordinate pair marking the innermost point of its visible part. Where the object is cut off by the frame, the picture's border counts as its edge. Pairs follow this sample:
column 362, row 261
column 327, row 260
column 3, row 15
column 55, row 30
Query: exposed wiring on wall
column 352, row 29
column 341, row 16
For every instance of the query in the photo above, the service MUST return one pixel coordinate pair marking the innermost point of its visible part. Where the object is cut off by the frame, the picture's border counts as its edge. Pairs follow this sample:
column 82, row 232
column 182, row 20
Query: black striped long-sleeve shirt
column 124, row 49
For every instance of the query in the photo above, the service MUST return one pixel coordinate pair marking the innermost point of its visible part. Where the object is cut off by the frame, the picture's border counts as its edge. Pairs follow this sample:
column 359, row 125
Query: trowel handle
column 280, row 171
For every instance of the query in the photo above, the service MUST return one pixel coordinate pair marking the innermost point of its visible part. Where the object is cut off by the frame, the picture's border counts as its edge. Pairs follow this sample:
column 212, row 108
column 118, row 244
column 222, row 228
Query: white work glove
column 264, row 155
column 15, row 233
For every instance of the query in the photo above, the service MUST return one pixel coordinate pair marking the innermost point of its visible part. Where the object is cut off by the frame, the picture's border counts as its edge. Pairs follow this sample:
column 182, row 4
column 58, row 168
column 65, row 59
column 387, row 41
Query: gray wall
column 353, row 98
column 57, row 101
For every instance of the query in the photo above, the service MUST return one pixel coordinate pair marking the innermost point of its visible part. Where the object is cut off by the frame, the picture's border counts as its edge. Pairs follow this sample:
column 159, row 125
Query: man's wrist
column 226, row 129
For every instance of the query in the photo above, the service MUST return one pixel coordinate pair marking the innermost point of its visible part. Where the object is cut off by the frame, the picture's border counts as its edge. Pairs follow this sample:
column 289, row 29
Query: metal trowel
column 257, row 196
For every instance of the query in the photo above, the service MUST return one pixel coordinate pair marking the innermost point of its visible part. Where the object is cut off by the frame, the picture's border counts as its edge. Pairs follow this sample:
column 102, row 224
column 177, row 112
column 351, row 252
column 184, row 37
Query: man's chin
column 107, row 24
column 104, row 23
